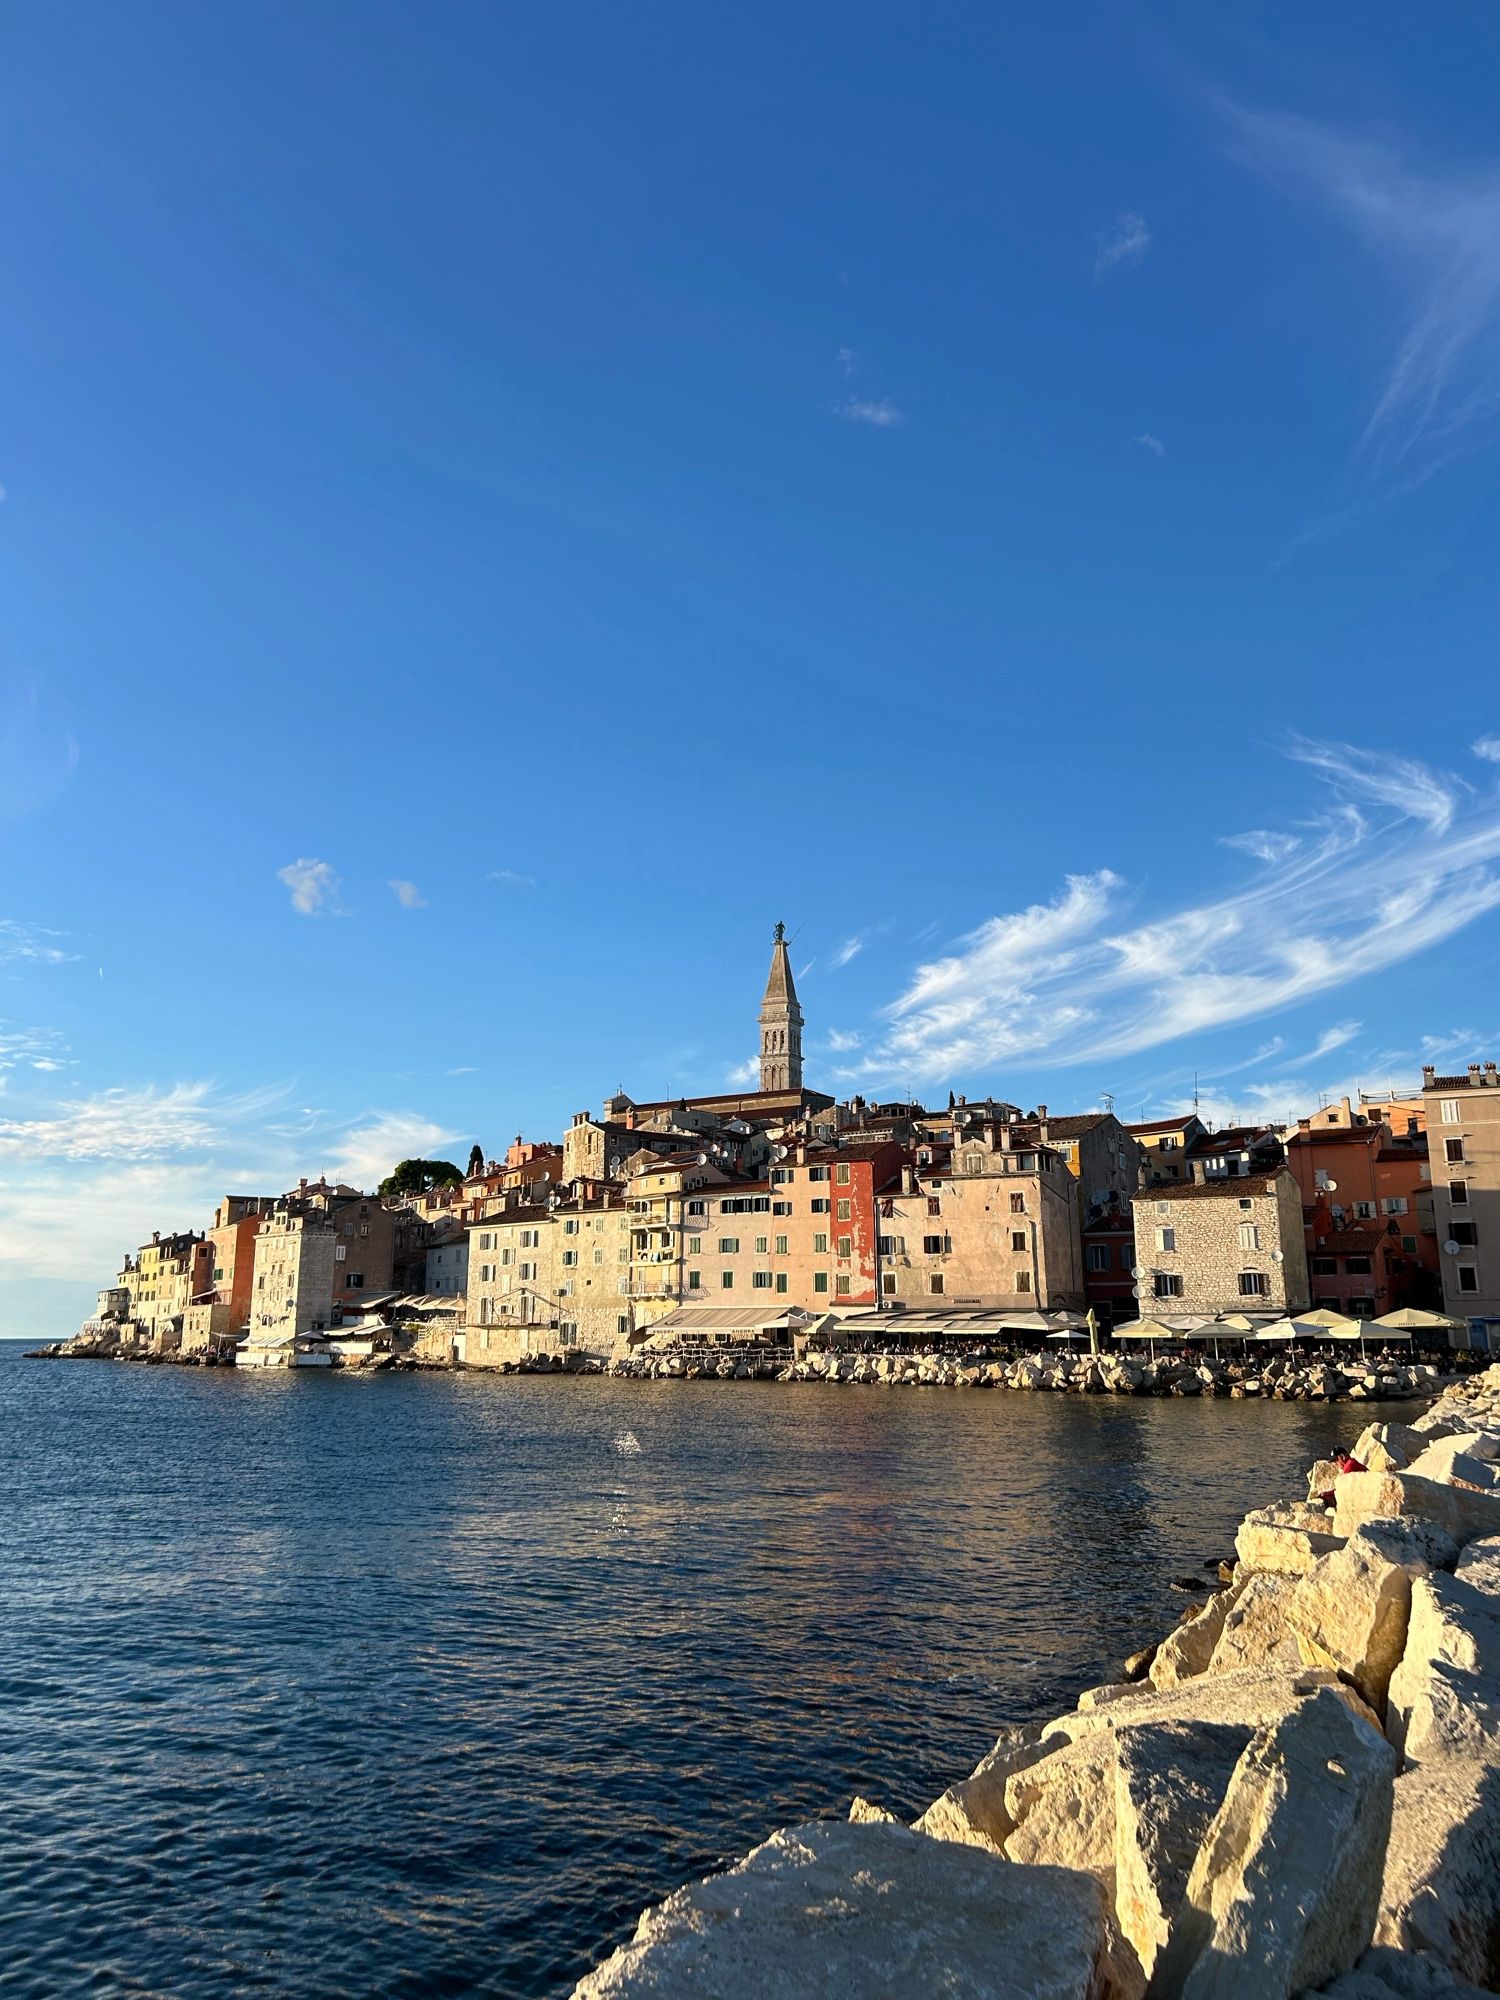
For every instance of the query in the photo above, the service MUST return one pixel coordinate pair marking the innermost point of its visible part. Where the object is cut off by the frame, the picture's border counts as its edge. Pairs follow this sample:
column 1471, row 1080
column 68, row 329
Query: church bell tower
column 780, row 1023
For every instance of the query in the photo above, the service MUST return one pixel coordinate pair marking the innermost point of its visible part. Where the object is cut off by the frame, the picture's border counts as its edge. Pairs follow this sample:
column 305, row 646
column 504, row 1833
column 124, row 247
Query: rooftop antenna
column 1107, row 1099
column 1195, row 1090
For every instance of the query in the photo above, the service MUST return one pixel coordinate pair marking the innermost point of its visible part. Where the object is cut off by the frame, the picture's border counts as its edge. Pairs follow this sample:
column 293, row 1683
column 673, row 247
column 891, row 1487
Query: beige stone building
column 322, row 1254
column 549, row 1280
column 1463, row 1140
column 161, row 1281
column 993, row 1225
column 1227, row 1245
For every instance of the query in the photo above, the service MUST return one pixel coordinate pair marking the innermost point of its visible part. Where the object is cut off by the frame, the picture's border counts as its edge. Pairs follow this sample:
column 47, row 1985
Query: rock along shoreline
column 1296, row 1791
column 1277, row 1377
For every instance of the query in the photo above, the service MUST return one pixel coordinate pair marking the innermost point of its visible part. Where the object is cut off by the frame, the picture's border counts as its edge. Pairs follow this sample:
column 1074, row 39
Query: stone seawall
column 1296, row 1791
column 1277, row 1375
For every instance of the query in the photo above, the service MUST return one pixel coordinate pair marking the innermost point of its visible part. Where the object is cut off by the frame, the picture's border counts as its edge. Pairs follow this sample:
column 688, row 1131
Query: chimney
column 908, row 1180
column 962, row 1099
column 1304, row 1124
column 1491, row 1074
column 1429, row 1076
column 1474, row 1073
column 1041, row 1113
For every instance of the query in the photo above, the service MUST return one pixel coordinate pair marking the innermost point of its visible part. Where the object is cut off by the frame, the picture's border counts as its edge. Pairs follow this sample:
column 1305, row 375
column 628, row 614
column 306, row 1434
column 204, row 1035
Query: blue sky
column 502, row 504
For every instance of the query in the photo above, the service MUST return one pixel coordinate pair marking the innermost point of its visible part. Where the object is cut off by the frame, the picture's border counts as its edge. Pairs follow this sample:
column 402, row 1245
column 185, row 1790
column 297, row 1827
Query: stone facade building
column 995, row 1225
column 545, row 1279
column 1463, row 1133
column 322, row 1254
column 1227, row 1245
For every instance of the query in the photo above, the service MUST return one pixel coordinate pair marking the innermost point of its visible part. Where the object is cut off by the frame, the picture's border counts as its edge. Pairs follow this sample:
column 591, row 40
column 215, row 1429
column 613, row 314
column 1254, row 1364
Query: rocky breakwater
column 1279, row 1377
column 1299, row 1793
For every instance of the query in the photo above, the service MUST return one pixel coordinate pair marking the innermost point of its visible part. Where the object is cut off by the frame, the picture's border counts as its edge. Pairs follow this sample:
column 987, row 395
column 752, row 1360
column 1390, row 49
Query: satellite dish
column 1137, row 1270
column 778, row 1152
column 1450, row 1248
column 1278, row 1256
column 1138, row 1291
column 545, row 1178
column 703, row 1159
column 1332, row 1187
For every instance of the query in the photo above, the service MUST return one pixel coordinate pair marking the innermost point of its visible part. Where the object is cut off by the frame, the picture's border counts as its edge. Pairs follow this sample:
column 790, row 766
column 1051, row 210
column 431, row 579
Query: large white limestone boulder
column 974, row 1811
column 1479, row 1565
column 1170, row 1780
column 1253, row 1695
column 834, row 1911
column 1386, row 1974
column 1365, row 1496
column 1255, row 1631
column 1285, row 1539
column 1286, row 1886
column 1350, row 1611
column 1188, row 1647
column 1449, row 1675
column 1389, row 1447
column 1441, row 1893
column 1063, row 1808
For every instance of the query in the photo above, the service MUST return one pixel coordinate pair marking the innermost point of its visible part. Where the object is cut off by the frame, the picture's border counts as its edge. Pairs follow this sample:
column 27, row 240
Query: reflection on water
column 425, row 1685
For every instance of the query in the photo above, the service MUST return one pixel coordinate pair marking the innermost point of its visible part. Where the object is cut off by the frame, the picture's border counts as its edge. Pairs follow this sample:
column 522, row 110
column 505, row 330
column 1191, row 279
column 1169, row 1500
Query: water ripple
column 410, row 1686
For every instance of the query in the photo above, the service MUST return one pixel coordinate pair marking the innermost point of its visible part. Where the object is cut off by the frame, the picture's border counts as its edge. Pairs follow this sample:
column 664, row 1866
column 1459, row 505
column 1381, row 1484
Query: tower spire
column 780, row 1023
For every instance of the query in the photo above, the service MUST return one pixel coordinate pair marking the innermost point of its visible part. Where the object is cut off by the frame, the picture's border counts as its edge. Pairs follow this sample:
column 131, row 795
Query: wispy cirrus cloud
column 1435, row 229
column 41, row 1049
column 849, row 949
column 366, row 1151
column 1488, row 748
column 1261, row 844
column 507, row 878
column 1125, row 242
column 31, row 944
column 1401, row 857
column 148, row 1122
column 313, row 886
column 1149, row 442
column 879, row 412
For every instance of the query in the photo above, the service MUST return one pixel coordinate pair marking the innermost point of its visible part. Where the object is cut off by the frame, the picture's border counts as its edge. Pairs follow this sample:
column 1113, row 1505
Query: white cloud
column 29, row 944
column 1153, row 444
column 1437, row 232
column 143, row 1123
column 365, row 1154
column 745, row 1073
column 877, row 411
column 850, row 948
column 1487, row 747
column 510, row 879
column 1402, row 859
column 314, row 887
column 1125, row 242
column 1262, row 844
column 407, row 894
column 840, row 1039
column 845, row 359
column 31, row 1048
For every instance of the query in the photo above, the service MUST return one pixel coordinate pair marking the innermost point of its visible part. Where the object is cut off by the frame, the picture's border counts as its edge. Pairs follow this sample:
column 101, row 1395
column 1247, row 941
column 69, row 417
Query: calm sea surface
column 415, row 1685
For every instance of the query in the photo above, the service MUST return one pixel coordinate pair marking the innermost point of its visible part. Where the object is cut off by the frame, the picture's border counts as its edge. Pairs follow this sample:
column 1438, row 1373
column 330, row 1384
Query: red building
column 1367, row 1203
column 1108, row 1261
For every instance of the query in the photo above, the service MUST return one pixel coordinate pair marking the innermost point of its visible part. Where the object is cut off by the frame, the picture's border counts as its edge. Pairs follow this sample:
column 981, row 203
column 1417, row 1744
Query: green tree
column 419, row 1176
